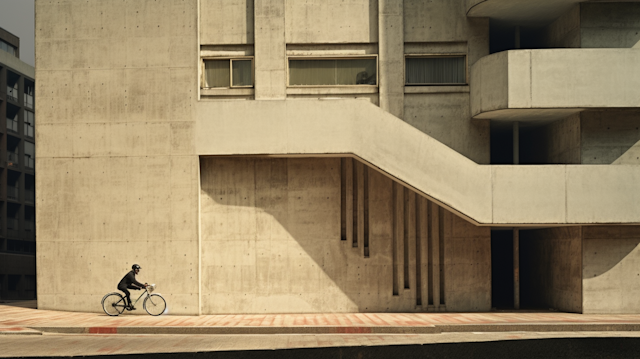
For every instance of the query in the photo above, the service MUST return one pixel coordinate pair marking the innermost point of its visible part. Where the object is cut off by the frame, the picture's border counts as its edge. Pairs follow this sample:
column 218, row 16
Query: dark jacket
column 128, row 279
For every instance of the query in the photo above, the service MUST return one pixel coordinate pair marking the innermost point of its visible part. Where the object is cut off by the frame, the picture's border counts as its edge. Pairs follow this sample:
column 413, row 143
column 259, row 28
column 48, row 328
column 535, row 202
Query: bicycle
column 113, row 303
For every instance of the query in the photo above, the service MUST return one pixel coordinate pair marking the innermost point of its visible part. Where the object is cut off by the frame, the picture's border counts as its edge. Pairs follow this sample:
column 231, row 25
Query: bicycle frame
column 140, row 297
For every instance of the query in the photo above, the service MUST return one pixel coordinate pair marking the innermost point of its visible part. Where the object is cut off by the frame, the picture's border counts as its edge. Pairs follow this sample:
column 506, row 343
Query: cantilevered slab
column 544, row 85
column 521, row 12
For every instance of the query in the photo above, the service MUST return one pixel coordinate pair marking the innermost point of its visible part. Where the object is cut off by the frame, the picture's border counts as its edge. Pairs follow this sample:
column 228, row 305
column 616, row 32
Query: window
column 29, row 122
column 228, row 73
column 8, row 48
column 28, row 94
column 436, row 70
column 29, row 154
column 332, row 72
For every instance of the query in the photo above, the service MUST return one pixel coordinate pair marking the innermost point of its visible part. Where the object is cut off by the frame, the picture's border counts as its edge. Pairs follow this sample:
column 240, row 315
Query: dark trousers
column 127, row 294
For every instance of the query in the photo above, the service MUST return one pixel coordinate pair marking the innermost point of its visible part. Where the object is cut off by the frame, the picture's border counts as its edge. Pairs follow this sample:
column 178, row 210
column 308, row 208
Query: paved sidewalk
column 14, row 319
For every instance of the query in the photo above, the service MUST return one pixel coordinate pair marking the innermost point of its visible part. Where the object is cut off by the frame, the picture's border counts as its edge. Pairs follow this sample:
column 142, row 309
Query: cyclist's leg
column 127, row 295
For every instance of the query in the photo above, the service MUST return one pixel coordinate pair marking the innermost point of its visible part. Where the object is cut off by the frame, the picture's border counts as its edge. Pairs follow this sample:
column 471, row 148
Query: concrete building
column 17, row 173
column 271, row 156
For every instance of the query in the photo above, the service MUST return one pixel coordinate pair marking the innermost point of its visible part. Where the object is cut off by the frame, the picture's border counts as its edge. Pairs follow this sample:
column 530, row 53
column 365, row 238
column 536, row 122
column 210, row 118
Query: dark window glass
column 332, row 72
column 435, row 70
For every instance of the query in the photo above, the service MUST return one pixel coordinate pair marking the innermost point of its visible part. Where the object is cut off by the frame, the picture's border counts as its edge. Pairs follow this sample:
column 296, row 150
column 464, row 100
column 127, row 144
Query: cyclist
column 129, row 282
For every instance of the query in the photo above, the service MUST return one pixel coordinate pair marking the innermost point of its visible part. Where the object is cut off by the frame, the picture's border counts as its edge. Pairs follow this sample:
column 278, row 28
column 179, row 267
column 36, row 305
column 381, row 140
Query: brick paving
column 14, row 316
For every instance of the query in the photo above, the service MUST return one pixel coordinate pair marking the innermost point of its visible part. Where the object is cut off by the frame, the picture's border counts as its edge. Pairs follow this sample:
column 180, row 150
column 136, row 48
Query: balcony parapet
column 522, row 12
column 551, row 84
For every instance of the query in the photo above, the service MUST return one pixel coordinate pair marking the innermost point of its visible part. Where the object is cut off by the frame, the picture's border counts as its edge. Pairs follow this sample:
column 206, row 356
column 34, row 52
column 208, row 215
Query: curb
column 431, row 329
column 19, row 331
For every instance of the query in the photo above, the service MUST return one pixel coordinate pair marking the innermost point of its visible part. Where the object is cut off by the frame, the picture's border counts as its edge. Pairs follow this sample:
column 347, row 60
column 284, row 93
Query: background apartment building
column 17, row 178
column 266, row 156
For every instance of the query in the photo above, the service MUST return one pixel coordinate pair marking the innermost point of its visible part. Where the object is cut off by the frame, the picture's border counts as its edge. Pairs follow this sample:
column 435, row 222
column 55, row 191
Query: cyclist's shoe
column 132, row 308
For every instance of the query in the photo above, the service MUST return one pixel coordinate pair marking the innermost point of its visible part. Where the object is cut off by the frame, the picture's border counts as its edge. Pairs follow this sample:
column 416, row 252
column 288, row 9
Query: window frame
column 230, row 59
column 448, row 55
column 333, row 57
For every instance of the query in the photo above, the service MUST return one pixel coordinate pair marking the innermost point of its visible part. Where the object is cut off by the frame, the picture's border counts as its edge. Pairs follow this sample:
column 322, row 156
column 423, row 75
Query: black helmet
column 135, row 266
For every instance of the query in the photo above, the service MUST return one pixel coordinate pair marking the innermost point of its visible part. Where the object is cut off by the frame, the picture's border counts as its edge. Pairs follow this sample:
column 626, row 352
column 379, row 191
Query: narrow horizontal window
column 228, row 73
column 435, row 70
column 332, row 72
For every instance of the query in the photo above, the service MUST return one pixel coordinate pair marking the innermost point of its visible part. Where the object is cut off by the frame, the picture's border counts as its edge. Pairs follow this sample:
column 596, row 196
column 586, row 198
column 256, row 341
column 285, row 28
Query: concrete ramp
column 484, row 194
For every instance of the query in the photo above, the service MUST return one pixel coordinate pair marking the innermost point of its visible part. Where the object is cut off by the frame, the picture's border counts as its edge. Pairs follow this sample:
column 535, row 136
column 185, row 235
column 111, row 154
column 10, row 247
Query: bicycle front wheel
column 113, row 304
column 155, row 304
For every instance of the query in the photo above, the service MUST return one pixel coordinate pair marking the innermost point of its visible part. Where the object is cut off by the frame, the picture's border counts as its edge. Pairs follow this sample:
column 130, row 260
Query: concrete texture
column 551, row 268
column 225, row 22
column 316, row 127
column 553, row 80
column 610, row 25
column 564, row 32
column 125, row 117
column 132, row 165
column 521, row 12
column 333, row 21
column 610, row 137
column 611, row 269
column 271, row 243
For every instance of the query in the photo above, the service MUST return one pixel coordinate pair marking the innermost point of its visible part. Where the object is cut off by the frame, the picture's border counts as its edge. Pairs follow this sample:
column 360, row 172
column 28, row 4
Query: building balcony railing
column 12, row 93
column 550, row 84
column 29, row 196
column 12, row 192
column 13, row 158
column 12, row 125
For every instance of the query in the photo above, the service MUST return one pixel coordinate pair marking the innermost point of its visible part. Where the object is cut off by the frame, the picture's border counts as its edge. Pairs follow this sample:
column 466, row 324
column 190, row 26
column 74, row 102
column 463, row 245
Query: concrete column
column 270, row 50
column 391, row 56
column 516, row 143
column 516, row 268
column 435, row 252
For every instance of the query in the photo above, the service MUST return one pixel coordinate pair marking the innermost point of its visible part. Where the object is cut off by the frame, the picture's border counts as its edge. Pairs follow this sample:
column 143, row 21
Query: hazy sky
column 17, row 17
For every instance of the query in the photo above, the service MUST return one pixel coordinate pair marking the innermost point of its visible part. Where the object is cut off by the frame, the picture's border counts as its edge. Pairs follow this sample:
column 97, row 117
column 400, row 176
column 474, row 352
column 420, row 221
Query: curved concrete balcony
column 522, row 12
column 550, row 84
column 484, row 194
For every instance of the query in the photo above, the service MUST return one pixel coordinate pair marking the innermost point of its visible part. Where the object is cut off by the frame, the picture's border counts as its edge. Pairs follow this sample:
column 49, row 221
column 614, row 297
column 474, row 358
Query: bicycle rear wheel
column 155, row 304
column 113, row 304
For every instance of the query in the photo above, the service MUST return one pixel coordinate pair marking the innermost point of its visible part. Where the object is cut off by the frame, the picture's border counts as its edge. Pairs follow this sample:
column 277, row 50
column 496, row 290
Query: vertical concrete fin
column 356, row 195
column 435, row 253
column 365, row 214
column 270, row 49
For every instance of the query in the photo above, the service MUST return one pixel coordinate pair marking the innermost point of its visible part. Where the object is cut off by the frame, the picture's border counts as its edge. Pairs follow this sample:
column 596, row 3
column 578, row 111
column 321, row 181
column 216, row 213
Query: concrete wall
column 610, row 137
column 565, row 31
column 551, row 268
column 441, row 27
column 117, row 175
column 610, row 25
column 557, row 142
column 331, row 21
column 225, row 22
column 611, row 269
column 274, row 240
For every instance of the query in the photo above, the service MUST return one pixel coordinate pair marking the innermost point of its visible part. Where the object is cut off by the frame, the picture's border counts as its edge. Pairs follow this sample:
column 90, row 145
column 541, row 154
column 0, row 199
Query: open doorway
column 502, row 269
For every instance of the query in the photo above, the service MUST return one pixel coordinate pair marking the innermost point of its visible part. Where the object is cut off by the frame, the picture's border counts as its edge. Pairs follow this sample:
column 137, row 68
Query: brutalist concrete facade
column 271, row 156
